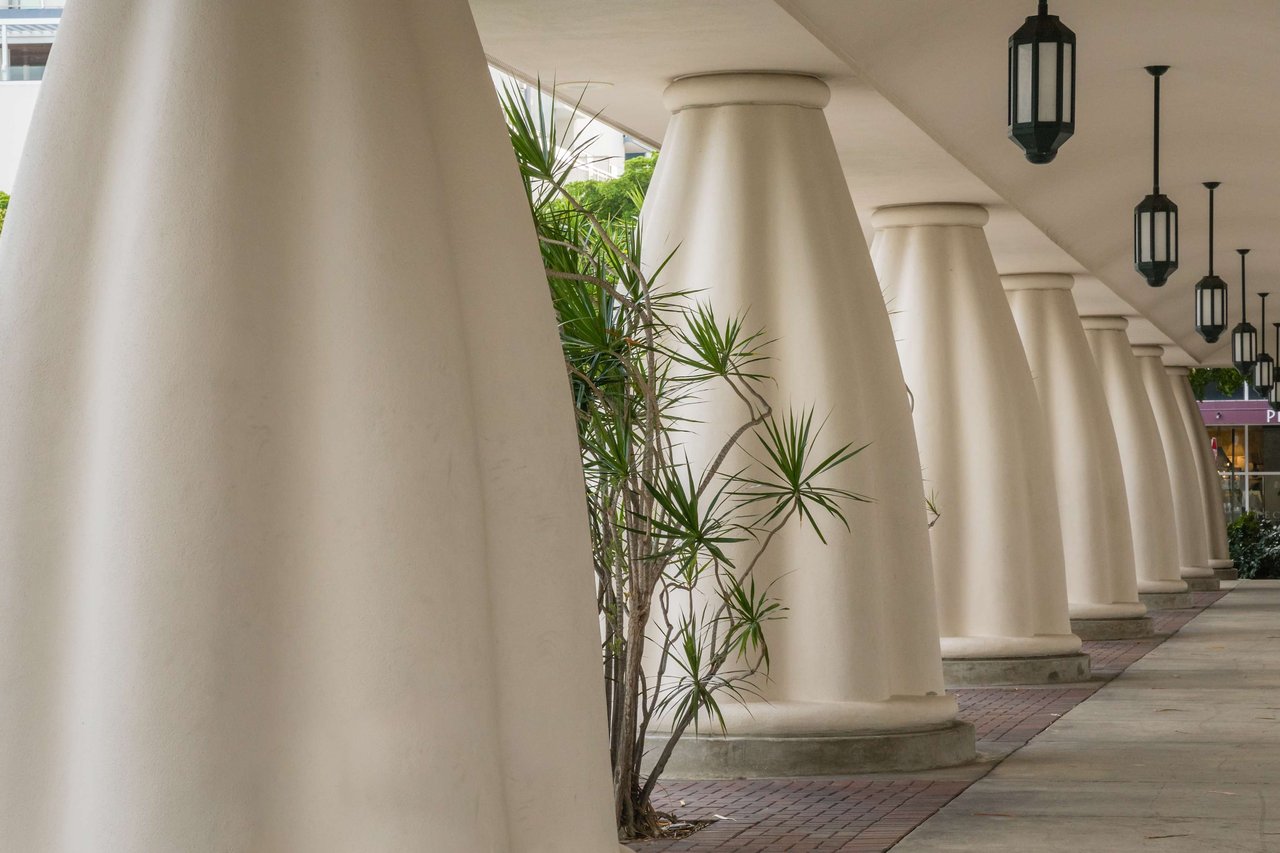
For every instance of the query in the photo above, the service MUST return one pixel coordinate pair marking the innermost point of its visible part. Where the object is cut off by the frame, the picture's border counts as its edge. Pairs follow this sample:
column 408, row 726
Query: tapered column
column 1220, row 561
column 1184, row 477
column 292, row 535
column 1142, row 458
column 997, row 546
column 750, row 196
column 1102, row 587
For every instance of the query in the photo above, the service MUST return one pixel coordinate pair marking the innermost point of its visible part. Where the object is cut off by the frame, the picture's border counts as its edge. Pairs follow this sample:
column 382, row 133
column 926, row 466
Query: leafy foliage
column 1227, row 379
column 1254, row 542
column 4, row 208
column 617, row 199
column 675, row 541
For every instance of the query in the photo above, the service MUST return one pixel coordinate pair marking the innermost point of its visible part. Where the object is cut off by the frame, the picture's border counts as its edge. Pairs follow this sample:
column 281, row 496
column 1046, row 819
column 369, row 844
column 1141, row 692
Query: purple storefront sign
column 1238, row 413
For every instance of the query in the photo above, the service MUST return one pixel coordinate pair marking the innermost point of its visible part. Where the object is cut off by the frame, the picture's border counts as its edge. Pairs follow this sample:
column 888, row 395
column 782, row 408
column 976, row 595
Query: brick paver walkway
column 871, row 814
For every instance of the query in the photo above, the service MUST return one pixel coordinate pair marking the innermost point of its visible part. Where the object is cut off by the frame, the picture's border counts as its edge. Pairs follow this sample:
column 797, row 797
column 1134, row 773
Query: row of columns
column 1062, row 458
column 1102, row 584
column 293, row 541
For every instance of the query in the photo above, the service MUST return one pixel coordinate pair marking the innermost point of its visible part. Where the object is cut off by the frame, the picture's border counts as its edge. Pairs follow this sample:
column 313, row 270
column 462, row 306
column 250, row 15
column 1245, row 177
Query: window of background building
column 29, row 55
column 1249, row 462
column 27, row 61
column 1230, row 457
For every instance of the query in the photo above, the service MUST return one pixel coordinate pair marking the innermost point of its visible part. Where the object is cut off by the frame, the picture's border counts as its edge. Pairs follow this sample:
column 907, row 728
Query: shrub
column 1254, row 541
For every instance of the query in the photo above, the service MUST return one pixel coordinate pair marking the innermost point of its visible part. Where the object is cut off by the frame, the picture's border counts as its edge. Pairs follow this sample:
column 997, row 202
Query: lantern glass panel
column 1162, row 236
column 1068, row 80
column 1243, row 347
column 1262, row 375
column 1048, row 106
column 1025, row 83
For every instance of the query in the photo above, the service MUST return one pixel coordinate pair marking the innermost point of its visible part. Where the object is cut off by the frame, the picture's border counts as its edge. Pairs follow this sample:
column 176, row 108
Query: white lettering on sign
column 1271, row 415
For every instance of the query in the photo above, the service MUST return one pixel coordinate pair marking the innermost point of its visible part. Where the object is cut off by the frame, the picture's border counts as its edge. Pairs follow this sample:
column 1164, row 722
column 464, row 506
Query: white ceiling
column 917, row 113
column 943, row 64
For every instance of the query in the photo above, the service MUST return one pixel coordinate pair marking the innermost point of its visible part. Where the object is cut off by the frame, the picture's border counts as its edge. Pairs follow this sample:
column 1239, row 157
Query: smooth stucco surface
column 1206, row 468
column 1146, row 471
column 749, row 195
column 997, row 546
column 1092, row 506
column 1184, row 474
column 293, row 547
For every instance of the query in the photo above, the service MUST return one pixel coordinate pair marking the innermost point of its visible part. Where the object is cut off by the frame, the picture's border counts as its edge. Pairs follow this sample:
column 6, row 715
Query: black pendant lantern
column 1244, row 337
column 1274, row 397
column 1042, row 85
column 1211, row 292
column 1155, row 220
column 1264, row 367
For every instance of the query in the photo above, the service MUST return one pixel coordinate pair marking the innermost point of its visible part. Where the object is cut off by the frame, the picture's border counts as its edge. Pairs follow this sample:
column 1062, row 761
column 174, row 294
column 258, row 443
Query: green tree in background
column 616, row 199
column 4, row 208
column 1228, row 380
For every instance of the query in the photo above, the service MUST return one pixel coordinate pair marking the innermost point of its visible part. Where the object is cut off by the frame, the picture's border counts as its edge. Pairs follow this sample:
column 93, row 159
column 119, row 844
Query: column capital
column 1038, row 281
column 1148, row 351
column 946, row 213
column 1177, row 370
column 759, row 88
column 1111, row 322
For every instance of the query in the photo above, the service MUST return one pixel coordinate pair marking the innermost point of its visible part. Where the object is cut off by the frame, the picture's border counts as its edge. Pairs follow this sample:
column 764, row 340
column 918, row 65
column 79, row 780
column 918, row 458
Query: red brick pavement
column 768, row 815
column 871, row 814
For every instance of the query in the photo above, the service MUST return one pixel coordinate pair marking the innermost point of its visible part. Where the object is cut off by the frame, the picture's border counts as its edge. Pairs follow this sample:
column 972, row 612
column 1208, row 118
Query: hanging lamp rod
column 1211, row 186
column 1156, row 71
column 1244, row 306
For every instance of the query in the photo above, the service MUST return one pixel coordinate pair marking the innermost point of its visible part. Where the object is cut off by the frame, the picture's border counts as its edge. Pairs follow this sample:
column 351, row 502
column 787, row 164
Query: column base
column 1133, row 628
column 707, row 756
column 1203, row 584
column 1165, row 600
column 995, row 672
column 1227, row 574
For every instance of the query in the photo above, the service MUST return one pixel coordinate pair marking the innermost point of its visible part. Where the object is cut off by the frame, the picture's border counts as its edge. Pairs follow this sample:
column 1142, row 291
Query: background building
column 27, row 32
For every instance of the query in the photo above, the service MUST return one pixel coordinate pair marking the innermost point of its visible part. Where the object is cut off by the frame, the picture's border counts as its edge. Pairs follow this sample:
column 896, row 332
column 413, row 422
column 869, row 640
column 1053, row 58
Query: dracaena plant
column 675, row 541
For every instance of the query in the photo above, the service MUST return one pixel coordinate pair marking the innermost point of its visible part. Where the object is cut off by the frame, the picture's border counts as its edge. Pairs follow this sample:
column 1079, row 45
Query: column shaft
column 1210, row 483
column 293, row 539
column 998, row 558
column 750, row 196
column 1093, row 508
column 1142, row 458
column 1184, row 478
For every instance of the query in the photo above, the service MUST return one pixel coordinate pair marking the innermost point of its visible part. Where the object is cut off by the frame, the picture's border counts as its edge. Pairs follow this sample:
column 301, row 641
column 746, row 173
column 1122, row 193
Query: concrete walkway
column 1179, row 754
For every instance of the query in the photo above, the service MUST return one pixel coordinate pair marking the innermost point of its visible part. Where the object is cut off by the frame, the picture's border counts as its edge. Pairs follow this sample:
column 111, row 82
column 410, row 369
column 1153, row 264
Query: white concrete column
column 1102, row 589
column 750, row 196
column 293, row 553
column 1210, row 483
column 1184, row 479
column 998, row 558
column 1142, row 457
